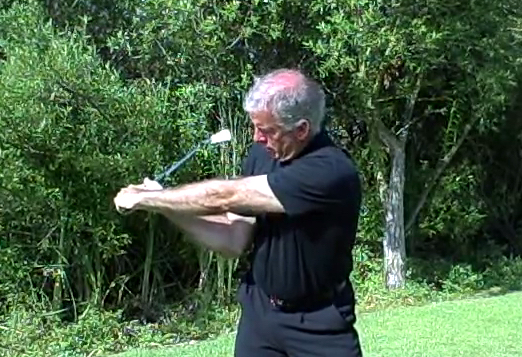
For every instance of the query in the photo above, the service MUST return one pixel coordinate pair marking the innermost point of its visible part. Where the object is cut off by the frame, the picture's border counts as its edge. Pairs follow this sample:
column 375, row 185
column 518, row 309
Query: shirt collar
column 319, row 141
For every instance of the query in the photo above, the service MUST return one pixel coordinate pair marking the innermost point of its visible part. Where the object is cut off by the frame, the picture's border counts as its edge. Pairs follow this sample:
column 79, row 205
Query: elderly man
column 297, row 204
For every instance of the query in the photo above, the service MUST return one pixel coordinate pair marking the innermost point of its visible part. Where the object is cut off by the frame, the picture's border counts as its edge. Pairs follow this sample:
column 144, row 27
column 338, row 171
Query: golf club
column 219, row 137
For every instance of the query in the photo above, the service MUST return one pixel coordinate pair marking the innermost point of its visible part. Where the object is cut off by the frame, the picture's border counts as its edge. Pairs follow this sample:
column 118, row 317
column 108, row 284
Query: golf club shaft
column 172, row 168
column 177, row 164
column 222, row 136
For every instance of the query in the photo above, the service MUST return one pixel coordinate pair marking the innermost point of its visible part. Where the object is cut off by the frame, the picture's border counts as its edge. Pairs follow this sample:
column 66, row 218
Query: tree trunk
column 394, row 240
column 392, row 196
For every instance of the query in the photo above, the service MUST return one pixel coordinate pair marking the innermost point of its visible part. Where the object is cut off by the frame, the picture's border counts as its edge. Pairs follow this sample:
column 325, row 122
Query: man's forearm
column 214, row 232
column 203, row 198
column 243, row 196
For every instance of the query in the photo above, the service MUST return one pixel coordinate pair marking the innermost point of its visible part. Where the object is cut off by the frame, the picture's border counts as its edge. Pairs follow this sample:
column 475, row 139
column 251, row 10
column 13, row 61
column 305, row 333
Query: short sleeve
column 316, row 183
column 247, row 165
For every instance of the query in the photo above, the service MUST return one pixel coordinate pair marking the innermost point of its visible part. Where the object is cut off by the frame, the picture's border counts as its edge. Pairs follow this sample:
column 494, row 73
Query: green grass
column 480, row 327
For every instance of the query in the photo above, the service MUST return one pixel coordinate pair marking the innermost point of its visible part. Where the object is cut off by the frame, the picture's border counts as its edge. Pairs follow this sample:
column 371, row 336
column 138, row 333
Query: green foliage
column 434, row 280
column 458, row 209
column 72, row 135
column 98, row 332
column 15, row 289
column 467, row 67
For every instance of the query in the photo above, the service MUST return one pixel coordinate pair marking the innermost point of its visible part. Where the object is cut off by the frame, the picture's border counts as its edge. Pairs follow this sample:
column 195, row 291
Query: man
column 297, row 203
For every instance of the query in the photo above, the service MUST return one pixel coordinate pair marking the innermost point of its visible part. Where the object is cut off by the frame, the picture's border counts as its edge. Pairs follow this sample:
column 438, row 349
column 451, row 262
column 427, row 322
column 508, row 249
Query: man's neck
column 300, row 148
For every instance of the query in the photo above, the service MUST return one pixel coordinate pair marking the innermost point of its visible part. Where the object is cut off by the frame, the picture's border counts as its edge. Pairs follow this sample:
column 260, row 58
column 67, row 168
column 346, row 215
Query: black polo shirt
column 308, row 248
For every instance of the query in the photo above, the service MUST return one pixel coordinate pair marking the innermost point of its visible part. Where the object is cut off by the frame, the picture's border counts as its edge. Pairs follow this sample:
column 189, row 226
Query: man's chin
column 271, row 152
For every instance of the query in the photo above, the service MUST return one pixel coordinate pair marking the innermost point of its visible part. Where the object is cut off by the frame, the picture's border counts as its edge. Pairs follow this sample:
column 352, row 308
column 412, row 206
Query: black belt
column 307, row 303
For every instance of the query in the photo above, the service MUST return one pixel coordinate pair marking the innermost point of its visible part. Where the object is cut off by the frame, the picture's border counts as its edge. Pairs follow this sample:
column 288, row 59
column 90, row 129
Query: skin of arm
column 228, row 234
column 224, row 232
column 243, row 196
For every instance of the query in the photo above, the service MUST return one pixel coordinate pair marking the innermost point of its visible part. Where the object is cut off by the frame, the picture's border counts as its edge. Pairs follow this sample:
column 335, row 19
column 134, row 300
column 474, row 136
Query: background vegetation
column 99, row 94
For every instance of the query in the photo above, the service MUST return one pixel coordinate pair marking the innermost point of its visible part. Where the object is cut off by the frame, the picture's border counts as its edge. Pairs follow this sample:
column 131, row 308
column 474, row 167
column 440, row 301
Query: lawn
column 478, row 327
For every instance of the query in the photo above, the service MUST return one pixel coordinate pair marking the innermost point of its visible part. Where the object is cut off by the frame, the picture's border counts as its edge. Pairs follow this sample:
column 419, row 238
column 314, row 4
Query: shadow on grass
column 489, row 279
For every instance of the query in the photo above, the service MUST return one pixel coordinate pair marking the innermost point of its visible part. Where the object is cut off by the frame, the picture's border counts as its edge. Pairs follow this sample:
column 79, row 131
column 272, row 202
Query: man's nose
column 259, row 137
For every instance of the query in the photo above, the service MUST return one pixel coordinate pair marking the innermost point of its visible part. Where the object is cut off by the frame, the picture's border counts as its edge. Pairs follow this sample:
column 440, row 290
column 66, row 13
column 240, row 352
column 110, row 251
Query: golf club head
column 221, row 136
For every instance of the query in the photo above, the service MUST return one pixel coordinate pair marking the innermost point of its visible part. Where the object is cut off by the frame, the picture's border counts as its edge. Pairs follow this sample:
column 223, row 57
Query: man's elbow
column 221, row 196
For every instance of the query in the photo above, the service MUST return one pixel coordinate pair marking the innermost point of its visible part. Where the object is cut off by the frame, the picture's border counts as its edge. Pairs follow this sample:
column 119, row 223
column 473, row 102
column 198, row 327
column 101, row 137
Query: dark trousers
column 264, row 330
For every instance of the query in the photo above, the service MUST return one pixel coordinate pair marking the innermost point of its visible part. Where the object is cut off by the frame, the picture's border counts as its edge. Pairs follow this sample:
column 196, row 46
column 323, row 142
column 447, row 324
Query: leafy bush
column 72, row 134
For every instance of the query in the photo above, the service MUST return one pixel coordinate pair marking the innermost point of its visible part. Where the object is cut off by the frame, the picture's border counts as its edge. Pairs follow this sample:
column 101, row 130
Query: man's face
column 278, row 141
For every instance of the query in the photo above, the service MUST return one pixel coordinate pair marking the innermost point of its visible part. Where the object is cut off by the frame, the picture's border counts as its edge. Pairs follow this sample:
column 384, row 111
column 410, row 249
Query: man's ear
column 303, row 129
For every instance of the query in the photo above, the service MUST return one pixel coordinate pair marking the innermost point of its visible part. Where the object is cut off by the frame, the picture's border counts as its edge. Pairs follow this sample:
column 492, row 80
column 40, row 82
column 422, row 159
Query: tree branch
column 396, row 141
column 386, row 136
column 407, row 118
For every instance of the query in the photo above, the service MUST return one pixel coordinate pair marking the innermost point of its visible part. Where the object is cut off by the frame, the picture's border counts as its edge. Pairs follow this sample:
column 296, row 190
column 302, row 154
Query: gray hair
column 288, row 103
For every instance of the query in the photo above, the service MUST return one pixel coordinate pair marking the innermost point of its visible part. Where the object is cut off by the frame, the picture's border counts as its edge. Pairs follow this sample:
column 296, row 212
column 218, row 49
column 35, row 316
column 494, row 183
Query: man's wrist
column 149, row 200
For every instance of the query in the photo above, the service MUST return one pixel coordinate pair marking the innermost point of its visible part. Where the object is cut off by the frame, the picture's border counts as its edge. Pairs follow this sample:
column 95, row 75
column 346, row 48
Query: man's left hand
column 129, row 197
